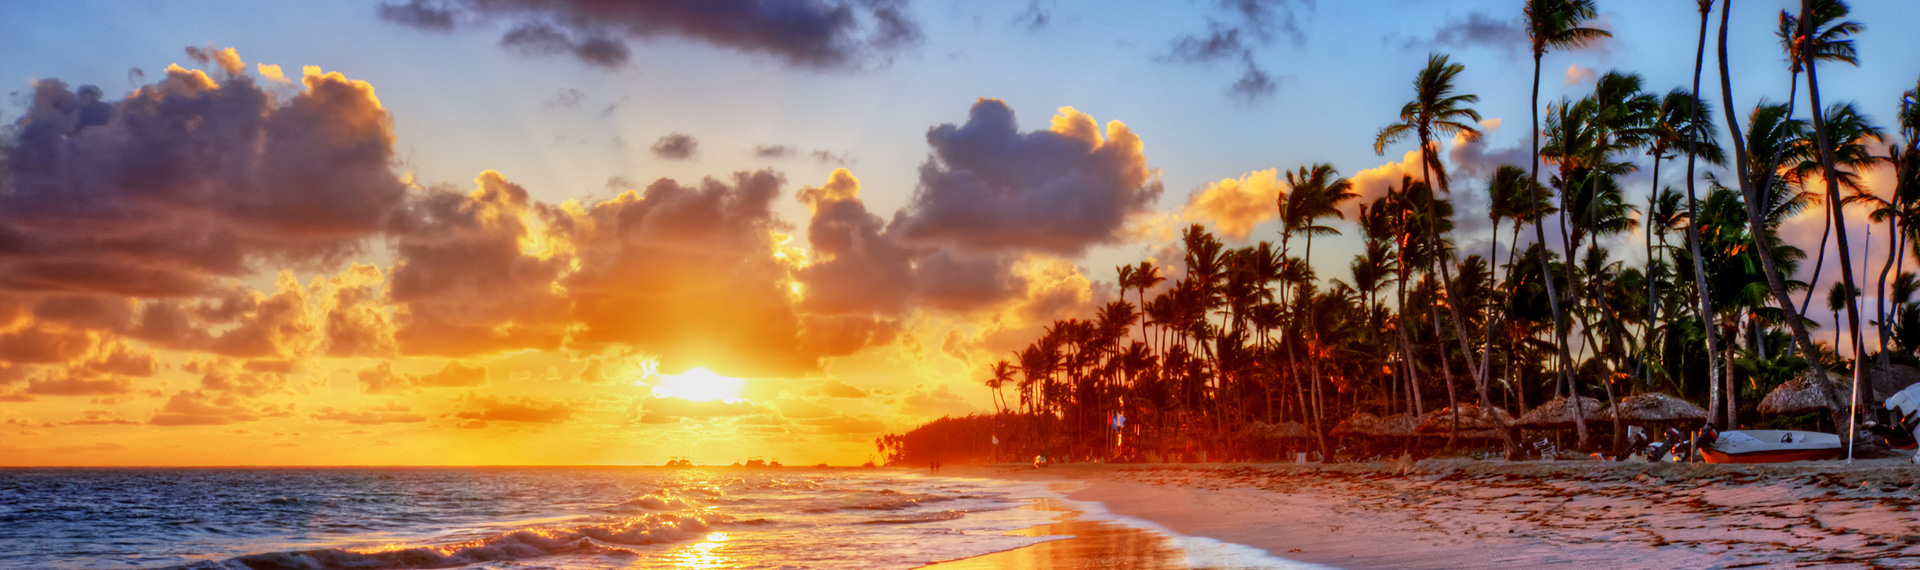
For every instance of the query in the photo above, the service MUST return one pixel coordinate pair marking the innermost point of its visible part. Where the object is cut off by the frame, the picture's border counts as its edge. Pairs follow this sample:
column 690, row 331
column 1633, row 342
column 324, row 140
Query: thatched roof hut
column 1808, row 392
column 1397, row 425
column 1558, row 413
column 1656, row 407
column 1285, row 430
column 1360, row 424
column 1889, row 381
column 1472, row 417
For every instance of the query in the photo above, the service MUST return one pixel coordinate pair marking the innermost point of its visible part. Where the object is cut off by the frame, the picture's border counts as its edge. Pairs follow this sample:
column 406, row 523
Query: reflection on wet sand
column 1094, row 545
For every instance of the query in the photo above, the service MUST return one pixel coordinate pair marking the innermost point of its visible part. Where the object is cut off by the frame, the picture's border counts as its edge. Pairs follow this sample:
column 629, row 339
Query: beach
column 1491, row 514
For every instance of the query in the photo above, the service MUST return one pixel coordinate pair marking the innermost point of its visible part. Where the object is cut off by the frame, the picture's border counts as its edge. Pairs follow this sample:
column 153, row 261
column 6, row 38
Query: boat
column 1771, row 446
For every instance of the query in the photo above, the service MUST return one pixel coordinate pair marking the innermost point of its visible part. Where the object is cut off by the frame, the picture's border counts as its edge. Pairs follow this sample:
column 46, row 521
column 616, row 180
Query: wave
column 651, row 503
column 920, row 518
column 607, row 538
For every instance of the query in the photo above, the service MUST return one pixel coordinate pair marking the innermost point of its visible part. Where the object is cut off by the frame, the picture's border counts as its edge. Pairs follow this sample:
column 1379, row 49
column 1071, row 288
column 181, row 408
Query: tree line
column 1255, row 335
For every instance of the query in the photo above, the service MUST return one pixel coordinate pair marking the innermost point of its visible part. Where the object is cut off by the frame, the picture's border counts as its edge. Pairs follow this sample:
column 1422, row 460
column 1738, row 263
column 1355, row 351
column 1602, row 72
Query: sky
column 514, row 232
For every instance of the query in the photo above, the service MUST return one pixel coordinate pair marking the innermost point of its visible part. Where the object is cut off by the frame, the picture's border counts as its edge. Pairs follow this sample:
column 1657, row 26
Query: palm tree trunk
column 1756, row 218
column 1540, row 237
column 1693, row 236
column 1834, row 207
column 1446, row 372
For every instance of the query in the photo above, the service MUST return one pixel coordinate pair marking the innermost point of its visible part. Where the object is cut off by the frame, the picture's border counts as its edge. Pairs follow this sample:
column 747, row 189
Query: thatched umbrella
column 1558, row 413
column 1656, row 407
column 1808, row 392
column 1397, row 425
column 1286, row 430
column 1472, row 417
column 1889, row 381
column 1359, row 424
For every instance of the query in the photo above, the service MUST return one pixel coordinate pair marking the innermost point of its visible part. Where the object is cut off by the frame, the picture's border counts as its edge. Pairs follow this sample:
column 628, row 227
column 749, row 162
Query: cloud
column 1576, row 74
column 492, row 409
column 1478, row 29
column 804, row 34
column 565, row 98
column 475, row 273
column 61, row 383
column 822, row 156
column 227, row 59
column 656, row 410
column 939, row 401
column 392, row 413
column 1477, row 158
column 854, row 269
column 676, row 146
column 273, row 73
column 380, row 378
column 1235, row 206
column 836, row 389
column 189, row 179
column 1371, row 184
column 1035, row 17
column 96, row 418
column 193, row 408
column 989, row 187
column 1234, row 33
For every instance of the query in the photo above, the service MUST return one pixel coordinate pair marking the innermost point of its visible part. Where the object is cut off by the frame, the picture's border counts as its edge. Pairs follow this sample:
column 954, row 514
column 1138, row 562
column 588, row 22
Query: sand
column 1494, row 514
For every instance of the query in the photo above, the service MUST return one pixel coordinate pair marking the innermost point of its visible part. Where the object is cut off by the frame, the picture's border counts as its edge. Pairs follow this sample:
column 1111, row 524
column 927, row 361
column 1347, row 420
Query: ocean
column 565, row 518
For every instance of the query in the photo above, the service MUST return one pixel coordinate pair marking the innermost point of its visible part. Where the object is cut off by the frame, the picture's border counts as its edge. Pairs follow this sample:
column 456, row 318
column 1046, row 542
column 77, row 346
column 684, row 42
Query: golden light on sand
column 700, row 385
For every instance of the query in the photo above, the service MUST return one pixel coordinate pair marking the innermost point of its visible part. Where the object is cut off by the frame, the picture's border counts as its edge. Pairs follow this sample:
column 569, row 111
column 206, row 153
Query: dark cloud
column 855, row 268
column 822, row 156
column 1238, row 29
column 1037, row 16
column 807, row 34
column 463, row 282
column 392, row 413
column 1254, row 85
column 189, row 179
column 676, row 146
column 990, row 187
column 566, row 98
column 491, row 409
column 1478, row 29
column 417, row 14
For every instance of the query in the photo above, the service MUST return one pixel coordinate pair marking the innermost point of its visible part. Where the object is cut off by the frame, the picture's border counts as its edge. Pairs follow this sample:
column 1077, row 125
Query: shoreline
column 1496, row 514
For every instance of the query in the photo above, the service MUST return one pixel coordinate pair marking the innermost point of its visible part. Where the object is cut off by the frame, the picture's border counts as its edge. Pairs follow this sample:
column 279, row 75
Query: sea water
column 569, row 518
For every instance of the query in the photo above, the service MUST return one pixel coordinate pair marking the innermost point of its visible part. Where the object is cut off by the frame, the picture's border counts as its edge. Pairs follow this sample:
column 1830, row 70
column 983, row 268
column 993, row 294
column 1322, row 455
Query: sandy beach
column 1567, row 514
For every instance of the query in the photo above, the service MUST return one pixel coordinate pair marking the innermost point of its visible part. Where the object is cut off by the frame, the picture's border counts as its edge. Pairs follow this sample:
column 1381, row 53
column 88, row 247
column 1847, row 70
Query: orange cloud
column 1235, row 205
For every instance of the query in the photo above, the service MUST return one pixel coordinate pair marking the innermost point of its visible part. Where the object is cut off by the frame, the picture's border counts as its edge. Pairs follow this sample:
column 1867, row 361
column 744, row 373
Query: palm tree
column 1557, row 24
column 1436, row 110
column 1703, row 293
column 1808, row 55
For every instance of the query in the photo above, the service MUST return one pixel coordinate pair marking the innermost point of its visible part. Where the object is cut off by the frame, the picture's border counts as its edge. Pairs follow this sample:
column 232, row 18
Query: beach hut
column 1656, row 407
column 1397, row 425
column 1806, row 393
column 1891, row 380
column 1558, row 413
column 1472, row 418
column 1360, row 424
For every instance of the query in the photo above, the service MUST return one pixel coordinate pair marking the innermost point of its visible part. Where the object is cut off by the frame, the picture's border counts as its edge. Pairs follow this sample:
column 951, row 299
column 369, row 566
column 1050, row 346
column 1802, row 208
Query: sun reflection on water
column 705, row 554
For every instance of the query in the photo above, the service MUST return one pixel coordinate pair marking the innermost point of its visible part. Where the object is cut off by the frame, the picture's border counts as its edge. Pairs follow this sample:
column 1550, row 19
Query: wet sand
column 1477, row 514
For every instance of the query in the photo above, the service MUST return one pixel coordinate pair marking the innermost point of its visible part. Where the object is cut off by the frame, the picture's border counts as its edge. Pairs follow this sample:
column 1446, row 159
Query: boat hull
column 1771, row 446
column 1780, row 456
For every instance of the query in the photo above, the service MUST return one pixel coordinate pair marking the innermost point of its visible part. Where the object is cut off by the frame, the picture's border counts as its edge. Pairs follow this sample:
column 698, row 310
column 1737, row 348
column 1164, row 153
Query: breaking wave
column 516, row 545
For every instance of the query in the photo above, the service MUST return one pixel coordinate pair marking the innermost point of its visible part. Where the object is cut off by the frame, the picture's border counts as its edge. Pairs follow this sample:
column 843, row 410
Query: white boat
column 1771, row 446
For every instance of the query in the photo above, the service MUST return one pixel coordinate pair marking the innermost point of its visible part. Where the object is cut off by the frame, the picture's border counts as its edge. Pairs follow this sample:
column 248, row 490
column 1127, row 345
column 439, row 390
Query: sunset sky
column 479, row 232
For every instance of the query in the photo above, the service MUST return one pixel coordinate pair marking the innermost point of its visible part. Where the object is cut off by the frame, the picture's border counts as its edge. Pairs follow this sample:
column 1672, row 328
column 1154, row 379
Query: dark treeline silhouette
column 1240, row 347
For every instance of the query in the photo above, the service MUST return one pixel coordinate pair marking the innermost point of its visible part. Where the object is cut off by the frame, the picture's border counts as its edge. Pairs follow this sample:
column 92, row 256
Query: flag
column 996, row 440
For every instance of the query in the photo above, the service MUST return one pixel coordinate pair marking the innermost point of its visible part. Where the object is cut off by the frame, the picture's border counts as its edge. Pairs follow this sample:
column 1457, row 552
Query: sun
column 700, row 385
